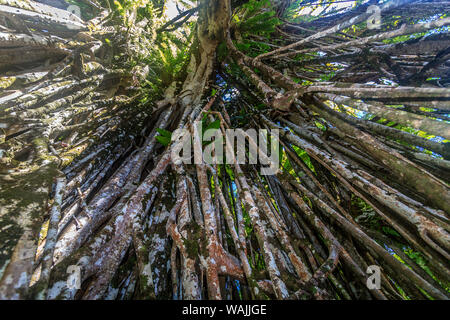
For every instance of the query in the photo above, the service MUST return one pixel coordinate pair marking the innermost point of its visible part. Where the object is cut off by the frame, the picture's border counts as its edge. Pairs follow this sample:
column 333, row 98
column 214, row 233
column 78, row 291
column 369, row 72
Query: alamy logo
column 75, row 10
column 373, row 281
column 374, row 21
column 215, row 148
column 74, row 279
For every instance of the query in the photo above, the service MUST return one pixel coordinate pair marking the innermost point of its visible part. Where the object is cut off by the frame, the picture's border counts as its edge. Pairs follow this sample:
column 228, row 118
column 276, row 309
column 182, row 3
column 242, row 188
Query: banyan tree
column 93, row 91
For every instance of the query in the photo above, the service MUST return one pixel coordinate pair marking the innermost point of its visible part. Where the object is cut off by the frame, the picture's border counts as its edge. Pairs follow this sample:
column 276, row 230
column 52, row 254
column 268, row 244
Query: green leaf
column 165, row 141
column 165, row 137
column 164, row 133
column 390, row 231
column 213, row 125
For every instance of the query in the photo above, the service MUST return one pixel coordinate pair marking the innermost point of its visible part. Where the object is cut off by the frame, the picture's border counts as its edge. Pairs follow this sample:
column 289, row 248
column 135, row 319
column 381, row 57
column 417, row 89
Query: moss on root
column 23, row 203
